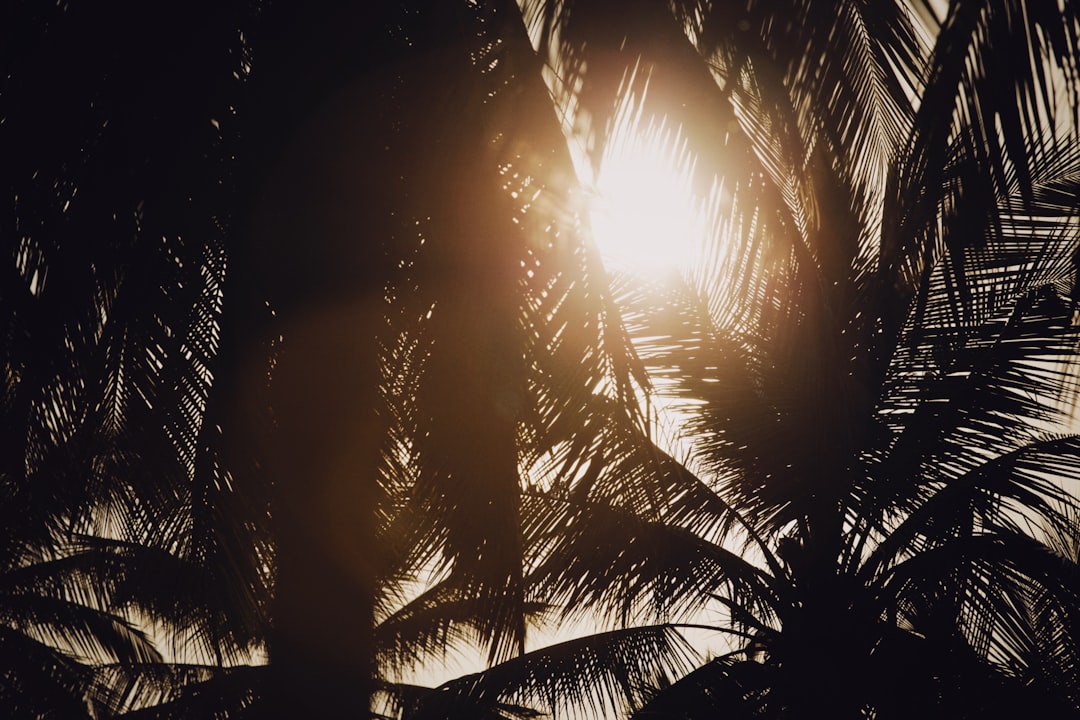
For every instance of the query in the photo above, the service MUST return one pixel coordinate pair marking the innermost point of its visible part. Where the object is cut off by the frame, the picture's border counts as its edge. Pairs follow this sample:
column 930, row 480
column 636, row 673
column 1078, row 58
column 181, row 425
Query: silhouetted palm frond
column 605, row 672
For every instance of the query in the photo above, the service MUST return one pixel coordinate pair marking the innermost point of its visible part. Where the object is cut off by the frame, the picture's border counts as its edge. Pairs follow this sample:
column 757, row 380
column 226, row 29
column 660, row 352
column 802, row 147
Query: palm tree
column 473, row 321
column 55, row 630
column 900, row 239
column 872, row 351
column 121, row 506
column 333, row 194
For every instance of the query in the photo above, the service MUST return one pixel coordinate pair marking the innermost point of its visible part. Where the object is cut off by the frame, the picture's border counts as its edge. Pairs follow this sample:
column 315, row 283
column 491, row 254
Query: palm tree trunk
column 326, row 480
column 315, row 221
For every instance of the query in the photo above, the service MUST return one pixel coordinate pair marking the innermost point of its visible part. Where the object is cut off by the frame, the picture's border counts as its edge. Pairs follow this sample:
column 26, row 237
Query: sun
column 644, row 214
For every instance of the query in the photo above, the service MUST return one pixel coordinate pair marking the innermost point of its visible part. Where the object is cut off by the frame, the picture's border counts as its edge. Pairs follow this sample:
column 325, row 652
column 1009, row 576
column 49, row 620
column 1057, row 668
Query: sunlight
column 644, row 214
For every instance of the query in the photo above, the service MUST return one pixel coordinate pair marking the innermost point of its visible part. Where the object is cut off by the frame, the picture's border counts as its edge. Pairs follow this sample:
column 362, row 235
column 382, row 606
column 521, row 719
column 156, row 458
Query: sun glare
column 645, row 217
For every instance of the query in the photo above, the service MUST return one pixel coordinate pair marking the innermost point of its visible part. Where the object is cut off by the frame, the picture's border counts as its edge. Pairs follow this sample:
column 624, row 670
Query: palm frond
column 609, row 558
column 442, row 618
column 729, row 685
column 183, row 692
column 1027, row 485
column 86, row 633
column 601, row 673
column 39, row 680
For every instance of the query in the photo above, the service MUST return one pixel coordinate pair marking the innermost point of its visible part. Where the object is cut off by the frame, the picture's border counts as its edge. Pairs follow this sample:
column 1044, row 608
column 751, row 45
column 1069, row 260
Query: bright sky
column 645, row 217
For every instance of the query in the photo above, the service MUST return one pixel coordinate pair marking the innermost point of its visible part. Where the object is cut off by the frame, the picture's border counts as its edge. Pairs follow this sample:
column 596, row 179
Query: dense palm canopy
column 874, row 358
column 305, row 351
column 137, row 362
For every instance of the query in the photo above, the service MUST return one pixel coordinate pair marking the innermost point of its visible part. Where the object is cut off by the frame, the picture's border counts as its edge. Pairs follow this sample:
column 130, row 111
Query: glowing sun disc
column 645, row 217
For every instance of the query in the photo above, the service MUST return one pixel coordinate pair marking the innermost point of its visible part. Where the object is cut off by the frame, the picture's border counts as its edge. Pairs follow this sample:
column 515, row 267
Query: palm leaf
column 601, row 673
